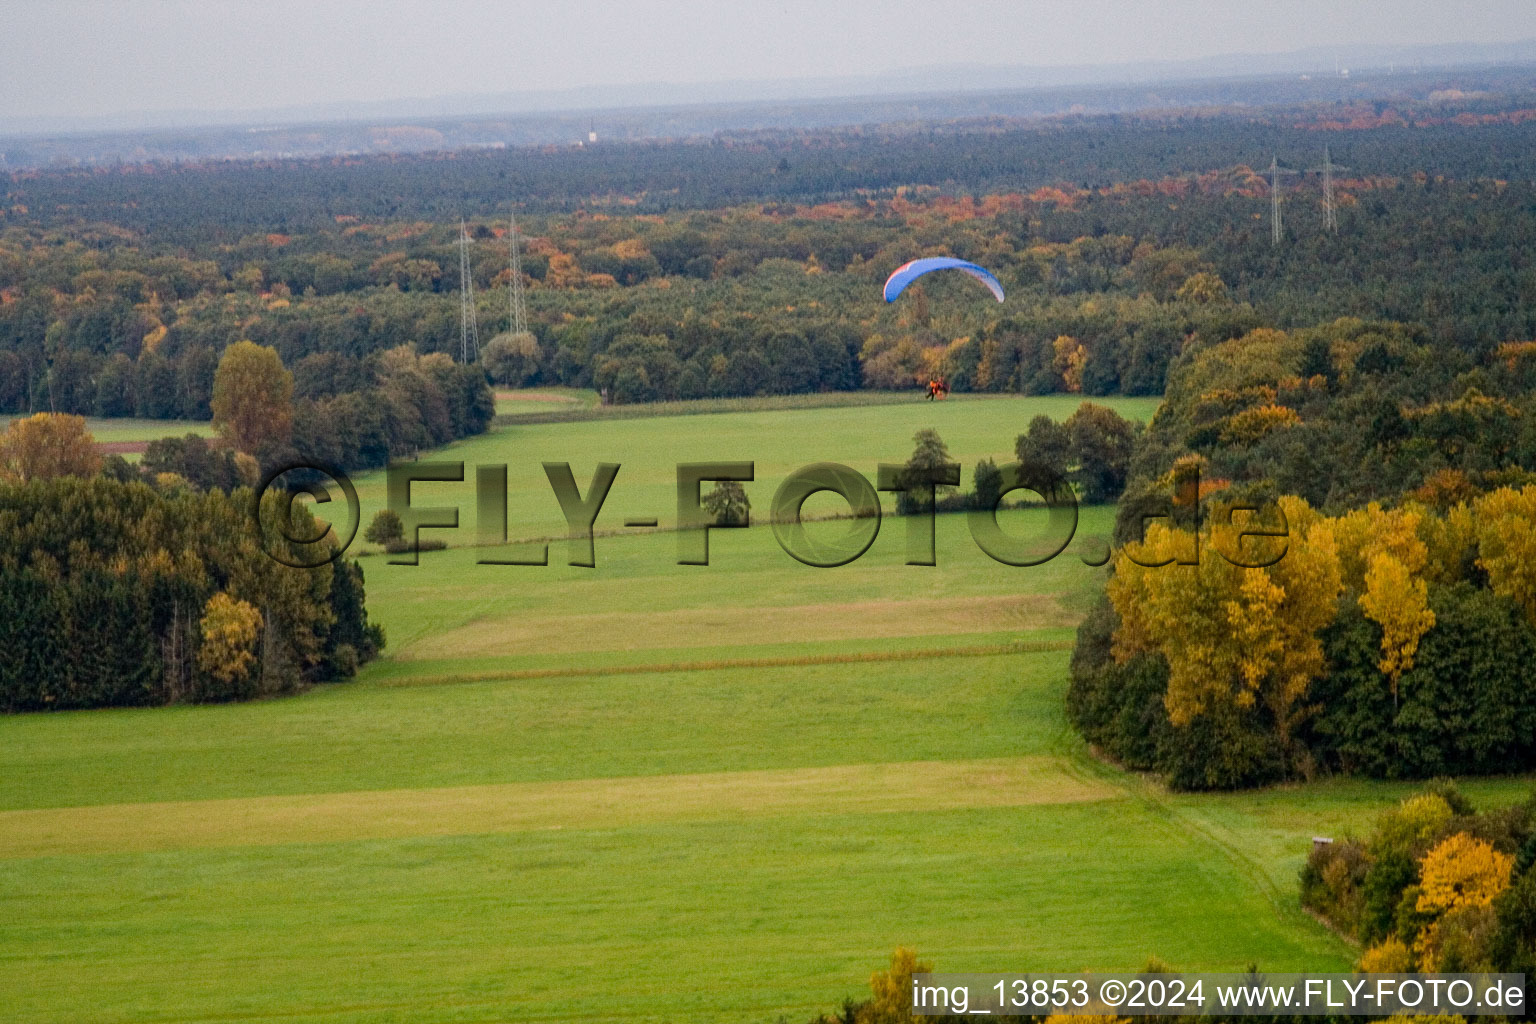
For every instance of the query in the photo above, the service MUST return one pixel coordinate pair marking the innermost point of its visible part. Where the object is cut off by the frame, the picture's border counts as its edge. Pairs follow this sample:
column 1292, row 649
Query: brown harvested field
column 535, row 396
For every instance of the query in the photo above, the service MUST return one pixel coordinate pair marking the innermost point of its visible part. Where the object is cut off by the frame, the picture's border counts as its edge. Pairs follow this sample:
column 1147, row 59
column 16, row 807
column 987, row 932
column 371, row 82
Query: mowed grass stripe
column 515, row 807
column 721, row 626
column 571, row 671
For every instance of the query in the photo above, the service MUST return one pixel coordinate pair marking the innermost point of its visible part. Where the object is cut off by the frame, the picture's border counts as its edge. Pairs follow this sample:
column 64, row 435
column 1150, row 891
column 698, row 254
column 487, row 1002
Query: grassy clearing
column 729, row 790
column 116, row 431
column 365, row 736
column 520, row 403
column 740, row 920
column 777, row 441
column 565, row 405
column 752, row 594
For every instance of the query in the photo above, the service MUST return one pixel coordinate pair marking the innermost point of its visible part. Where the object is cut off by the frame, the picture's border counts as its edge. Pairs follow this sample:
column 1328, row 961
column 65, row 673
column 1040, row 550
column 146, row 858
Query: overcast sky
column 69, row 58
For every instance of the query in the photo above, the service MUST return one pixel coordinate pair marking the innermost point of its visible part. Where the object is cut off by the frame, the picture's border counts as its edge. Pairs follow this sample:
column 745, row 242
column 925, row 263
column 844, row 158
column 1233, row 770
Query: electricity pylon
column 519, row 322
column 469, row 321
column 1275, row 170
column 1330, row 208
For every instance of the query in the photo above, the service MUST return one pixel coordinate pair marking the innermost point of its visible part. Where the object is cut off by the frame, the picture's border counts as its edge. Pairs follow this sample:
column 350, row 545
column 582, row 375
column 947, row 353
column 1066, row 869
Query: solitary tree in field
column 252, row 397
column 48, row 445
column 386, row 528
column 929, row 456
column 729, row 504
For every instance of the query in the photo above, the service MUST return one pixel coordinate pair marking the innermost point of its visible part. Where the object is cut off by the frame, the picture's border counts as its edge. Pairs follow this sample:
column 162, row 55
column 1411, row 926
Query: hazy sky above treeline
column 86, row 58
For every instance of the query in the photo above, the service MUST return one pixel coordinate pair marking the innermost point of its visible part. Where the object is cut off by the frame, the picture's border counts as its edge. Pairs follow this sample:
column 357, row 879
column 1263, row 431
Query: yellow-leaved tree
column 1458, row 881
column 1462, row 871
column 1410, row 825
column 230, row 629
column 1382, row 558
column 1390, row 956
column 890, row 991
column 1068, row 359
column 47, row 445
column 1231, row 635
column 1394, row 598
column 1505, row 522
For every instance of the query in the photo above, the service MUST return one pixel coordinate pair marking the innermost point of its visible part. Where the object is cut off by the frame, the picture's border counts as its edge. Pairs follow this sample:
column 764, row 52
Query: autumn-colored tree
column 563, row 271
column 1410, row 825
column 1451, row 541
column 893, row 363
column 1382, row 558
column 1204, row 287
column 1400, row 603
column 1231, row 635
column 1505, row 524
column 1459, row 880
column 891, row 990
column 1253, row 425
column 1444, row 489
column 1390, row 956
column 1070, row 356
column 229, row 631
column 48, row 445
column 1462, row 871
column 1364, row 533
column 252, row 397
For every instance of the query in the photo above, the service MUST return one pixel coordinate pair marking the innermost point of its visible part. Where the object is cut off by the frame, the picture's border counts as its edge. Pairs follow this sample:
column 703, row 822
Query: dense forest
column 1391, row 632
column 689, row 270
column 165, row 595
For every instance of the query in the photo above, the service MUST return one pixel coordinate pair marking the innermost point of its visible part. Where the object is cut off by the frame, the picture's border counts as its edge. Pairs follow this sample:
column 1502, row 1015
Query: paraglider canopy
column 909, row 272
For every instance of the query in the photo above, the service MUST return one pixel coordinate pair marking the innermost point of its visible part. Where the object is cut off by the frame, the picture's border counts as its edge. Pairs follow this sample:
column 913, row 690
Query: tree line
column 1435, row 886
column 1391, row 633
column 117, row 593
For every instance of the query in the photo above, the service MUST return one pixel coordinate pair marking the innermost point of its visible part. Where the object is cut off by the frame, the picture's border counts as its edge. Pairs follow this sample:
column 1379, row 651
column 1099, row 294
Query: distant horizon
column 914, row 81
column 72, row 64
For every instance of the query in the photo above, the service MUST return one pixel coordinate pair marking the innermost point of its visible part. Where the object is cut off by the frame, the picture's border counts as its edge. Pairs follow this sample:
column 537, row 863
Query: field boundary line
column 601, row 804
column 919, row 654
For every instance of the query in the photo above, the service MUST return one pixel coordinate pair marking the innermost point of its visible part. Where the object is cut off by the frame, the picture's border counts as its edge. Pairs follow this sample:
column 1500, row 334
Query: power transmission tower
column 469, row 321
column 1330, row 208
column 515, row 288
column 1275, row 170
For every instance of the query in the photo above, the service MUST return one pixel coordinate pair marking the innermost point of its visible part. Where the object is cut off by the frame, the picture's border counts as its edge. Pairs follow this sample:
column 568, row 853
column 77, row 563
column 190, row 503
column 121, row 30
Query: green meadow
column 644, row 791
column 117, row 431
column 778, row 435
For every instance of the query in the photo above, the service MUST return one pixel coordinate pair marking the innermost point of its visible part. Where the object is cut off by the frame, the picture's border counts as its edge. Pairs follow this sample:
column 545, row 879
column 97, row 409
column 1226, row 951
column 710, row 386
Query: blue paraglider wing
column 909, row 272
